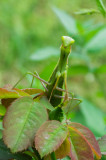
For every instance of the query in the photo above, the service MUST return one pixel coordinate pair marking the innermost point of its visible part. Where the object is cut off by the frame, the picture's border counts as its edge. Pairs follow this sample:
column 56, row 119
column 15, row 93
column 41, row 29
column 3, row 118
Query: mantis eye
column 67, row 41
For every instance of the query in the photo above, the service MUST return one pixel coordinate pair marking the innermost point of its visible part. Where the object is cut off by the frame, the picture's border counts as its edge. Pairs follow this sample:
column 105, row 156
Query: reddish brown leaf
column 15, row 93
column 21, row 92
column 80, row 149
column 21, row 122
column 5, row 93
column 7, row 102
column 63, row 150
column 32, row 91
column 8, row 95
column 90, row 138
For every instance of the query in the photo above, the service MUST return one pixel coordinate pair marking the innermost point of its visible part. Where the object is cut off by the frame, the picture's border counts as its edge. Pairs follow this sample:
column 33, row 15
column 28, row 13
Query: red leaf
column 89, row 137
column 80, row 149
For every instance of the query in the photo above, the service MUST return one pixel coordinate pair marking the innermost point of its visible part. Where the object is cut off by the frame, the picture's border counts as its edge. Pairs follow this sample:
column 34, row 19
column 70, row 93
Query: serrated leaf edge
column 55, row 147
column 13, row 150
column 93, row 150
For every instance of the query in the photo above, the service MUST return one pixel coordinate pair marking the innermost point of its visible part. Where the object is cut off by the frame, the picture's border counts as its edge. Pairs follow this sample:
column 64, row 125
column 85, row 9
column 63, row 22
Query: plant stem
column 53, row 157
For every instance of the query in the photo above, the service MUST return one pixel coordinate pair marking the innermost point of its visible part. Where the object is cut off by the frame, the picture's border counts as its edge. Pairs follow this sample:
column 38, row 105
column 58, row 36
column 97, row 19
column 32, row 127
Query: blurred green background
column 30, row 38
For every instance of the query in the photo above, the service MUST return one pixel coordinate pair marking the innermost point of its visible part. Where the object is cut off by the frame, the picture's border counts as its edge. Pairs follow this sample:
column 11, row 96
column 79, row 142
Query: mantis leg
column 64, row 97
column 38, row 77
column 32, row 82
column 54, row 87
column 42, row 80
column 65, row 82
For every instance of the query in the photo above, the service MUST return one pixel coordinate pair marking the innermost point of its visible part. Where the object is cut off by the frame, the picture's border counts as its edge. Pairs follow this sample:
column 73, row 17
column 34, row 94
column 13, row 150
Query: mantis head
column 67, row 41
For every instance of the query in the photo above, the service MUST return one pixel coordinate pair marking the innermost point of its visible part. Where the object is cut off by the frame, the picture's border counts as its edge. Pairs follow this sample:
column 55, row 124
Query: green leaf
column 1, row 125
column 5, row 153
column 101, row 69
column 56, row 114
column 102, row 144
column 87, row 11
column 45, row 73
column 44, row 101
column 81, row 57
column 90, row 138
column 70, row 105
column 66, row 158
column 93, row 30
column 21, row 122
column 78, row 69
column 80, row 148
column 94, row 117
column 44, row 53
column 98, row 42
column 68, row 21
column 2, row 110
column 1, row 134
column 50, row 136
column 62, row 151
column 101, row 7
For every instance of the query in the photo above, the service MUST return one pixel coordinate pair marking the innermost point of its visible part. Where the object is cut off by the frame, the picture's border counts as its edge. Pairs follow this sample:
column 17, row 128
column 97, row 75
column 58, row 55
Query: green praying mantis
column 59, row 75
column 58, row 79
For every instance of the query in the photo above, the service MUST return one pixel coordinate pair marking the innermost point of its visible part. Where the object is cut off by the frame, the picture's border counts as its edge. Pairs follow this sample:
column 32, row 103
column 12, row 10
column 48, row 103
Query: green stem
column 53, row 157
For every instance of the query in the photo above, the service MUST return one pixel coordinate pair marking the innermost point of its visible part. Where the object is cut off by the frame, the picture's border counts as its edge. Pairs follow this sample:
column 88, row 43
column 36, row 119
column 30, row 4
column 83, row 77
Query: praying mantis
column 59, row 75
column 54, row 87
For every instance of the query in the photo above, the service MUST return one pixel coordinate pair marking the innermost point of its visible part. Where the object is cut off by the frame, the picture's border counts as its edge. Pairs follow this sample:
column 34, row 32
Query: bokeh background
column 30, row 38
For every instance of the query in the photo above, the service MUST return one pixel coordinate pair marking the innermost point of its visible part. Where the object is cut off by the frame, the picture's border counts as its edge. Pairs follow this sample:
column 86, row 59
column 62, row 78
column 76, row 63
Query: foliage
column 101, row 9
column 102, row 144
column 26, row 125
column 91, row 42
column 23, row 36
column 6, row 154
